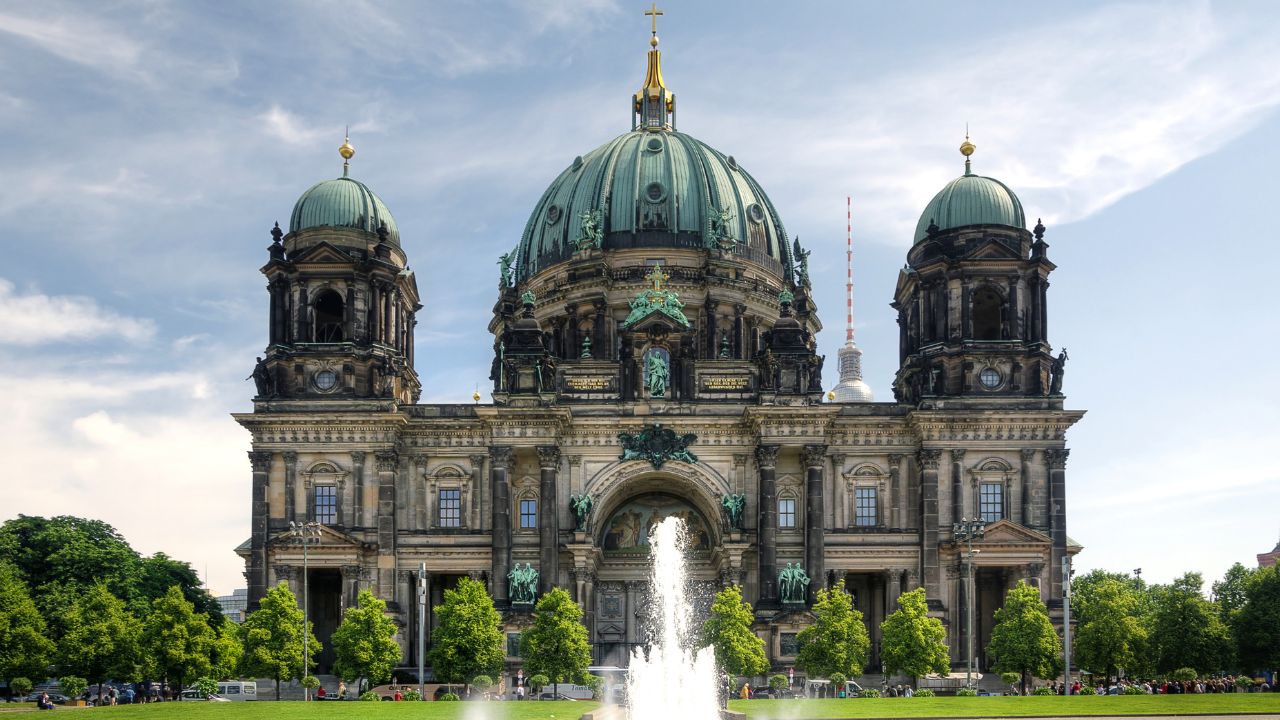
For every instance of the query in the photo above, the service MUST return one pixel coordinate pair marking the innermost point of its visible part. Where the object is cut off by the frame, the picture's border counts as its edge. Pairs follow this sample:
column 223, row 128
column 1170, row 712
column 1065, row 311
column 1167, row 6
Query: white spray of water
column 676, row 681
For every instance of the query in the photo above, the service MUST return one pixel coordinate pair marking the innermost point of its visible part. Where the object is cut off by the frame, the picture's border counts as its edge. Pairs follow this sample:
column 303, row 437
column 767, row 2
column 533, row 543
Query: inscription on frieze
column 590, row 383
column 726, row 383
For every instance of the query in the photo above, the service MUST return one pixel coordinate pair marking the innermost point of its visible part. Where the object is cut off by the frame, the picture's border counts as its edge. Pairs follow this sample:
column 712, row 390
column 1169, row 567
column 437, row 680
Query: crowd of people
column 1227, row 684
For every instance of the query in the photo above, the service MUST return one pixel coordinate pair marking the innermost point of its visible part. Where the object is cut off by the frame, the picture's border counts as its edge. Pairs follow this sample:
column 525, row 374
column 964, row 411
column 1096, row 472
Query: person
column 908, row 692
column 342, row 690
column 745, row 693
column 519, row 692
column 399, row 696
column 113, row 694
column 320, row 694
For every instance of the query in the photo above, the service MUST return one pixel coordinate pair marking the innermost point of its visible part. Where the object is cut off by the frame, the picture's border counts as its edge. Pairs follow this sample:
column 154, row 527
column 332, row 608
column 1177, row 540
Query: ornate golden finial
column 653, row 12
column 657, row 277
column 476, row 395
column 347, row 151
column 966, row 149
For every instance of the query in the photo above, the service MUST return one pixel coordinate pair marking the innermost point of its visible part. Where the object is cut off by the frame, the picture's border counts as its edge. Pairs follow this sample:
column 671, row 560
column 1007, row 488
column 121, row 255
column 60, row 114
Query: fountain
column 676, row 680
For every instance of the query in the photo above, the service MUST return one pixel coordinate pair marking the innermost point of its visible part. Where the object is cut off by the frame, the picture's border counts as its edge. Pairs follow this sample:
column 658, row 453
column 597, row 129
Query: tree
column 101, row 638
column 1257, row 624
column 161, row 572
column 365, row 643
column 912, row 642
column 1023, row 640
column 468, row 638
column 177, row 640
column 24, row 649
column 728, row 631
column 1109, row 633
column 837, row 641
column 1186, row 629
column 1229, row 592
column 227, row 651
column 272, row 637
column 556, row 645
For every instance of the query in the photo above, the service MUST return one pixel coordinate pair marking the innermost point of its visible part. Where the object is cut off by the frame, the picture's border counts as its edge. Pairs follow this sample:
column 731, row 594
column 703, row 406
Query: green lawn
column 1262, row 703
column 527, row 710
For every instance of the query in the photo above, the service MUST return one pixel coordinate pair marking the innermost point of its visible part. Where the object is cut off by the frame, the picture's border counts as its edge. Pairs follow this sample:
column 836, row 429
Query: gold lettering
column 725, row 383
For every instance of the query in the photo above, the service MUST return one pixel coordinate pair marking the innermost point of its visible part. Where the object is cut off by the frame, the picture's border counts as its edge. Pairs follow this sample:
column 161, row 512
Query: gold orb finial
column 653, row 41
column 831, row 395
column 476, row 396
column 966, row 147
column 346, row 150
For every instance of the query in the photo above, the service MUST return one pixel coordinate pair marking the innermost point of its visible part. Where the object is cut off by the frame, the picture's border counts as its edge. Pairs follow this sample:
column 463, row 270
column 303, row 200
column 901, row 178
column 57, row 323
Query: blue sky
column 151, row 145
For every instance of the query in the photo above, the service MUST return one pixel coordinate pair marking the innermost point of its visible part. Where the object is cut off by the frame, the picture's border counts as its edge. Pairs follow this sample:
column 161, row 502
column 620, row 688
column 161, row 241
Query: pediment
column 992, row 249
column 610, row 629
column 322, row 252
column 329, row 538
column 658, row 320
column 1007, row 532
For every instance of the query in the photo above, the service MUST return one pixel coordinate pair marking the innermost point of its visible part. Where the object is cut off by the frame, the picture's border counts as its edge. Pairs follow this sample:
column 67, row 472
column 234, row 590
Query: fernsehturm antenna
column 851, row 387
column 848, row 287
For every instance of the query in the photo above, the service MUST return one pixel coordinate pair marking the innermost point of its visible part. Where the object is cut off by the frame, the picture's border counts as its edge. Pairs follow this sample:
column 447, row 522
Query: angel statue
column 581, row 505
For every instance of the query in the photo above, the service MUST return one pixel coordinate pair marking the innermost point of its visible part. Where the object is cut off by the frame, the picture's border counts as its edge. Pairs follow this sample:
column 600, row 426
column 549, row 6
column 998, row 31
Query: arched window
column 988, row 307
column 329, row 317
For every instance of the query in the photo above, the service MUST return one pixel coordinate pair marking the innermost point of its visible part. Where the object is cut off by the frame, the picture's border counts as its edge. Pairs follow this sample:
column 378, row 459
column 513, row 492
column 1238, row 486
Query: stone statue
column 263, row 379
column 505, row 261
column 581, row 505
column 591, row 235
column 793, row 583
column 1056, row 372
column 733, row 504
column 586, row 347
column 724, row 347
column 815, row 373
column 657, row 375
column 802, row 257
column 524, row 584
column 718, row 236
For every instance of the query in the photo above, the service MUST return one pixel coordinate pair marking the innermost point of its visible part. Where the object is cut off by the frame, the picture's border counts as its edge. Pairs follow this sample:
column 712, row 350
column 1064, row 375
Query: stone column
column 896, row 492
column 1025, row 517
column 479, row 492
column 957, row 485
column 500, row 459
column 876, row 608
column 1057, row 462
column 357, row 491
column 893, row 590
column 548, row 519
column 291, row 512
column 929, row 570
column 815, row 531
column 837, row 516
column 421, row 512
column 387, row 460
column 350, row 585
column 767, row 534
column 256, row 575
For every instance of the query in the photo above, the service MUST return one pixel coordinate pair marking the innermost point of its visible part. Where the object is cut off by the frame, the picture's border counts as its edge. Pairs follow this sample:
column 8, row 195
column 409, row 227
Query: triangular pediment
column 610, row 629
column 993, row 250
column 1007, row 532
column 322, row 252
column 658, row 319
column 329, row 538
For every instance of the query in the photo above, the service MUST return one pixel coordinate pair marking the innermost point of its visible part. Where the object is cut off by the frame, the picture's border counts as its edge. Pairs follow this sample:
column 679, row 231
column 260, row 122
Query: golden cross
column 656, row 276
column 654, row 12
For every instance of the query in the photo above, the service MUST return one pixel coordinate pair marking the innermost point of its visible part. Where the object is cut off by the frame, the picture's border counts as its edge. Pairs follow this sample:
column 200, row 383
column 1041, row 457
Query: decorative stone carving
column 929, row 459
column 733, row 503
column 523, row 588
column 895, row 462
column 767, row 456
column 1056, row 459
column 387, row 460
column 957, row 454
column 548, row 457
column 260, row 460
column 581, row 505
column 793, row 584
column 290, row 459
column 1027, row 454
column 815, row 455
column 357, row 458
column 501, row 456
column 657, row 444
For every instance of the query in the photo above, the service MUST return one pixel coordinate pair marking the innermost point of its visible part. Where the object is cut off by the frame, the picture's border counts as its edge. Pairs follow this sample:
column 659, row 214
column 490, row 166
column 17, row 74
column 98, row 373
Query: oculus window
column 326, row 504
column 450, row 508
column 864, row 509
column 786, row 512
column 991, row 501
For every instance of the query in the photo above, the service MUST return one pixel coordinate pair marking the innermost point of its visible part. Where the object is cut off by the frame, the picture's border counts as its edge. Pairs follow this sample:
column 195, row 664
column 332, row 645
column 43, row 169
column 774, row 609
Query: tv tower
column 851, row 388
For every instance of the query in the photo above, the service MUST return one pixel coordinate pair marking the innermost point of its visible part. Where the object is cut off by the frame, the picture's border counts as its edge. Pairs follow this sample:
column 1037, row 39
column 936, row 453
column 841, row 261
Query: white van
column 566, row 691
column 234, row 690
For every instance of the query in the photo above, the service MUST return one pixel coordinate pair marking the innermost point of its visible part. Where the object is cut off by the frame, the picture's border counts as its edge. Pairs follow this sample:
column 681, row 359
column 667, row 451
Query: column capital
column 929, row 459
column 290, row 459
column 477, row 460
column 548, row 457
column 838, row 460
column 284, row 572
column 260, row 460
column 815, row 455
column 502, row 456
column 420, row 461
column 1027, row 454
column 895, row 461
column 957, row 454
column 767, row 456
column 575, row 460
column 1056, row 458
column 357, row 457
column 387, row 460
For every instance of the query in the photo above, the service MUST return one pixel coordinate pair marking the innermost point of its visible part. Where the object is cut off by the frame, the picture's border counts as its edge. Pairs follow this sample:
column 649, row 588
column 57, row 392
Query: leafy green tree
column 161, row 572
column 24, row 649
column 19, row 687
column 728, row 631
column 1023, row 639
column 1229, row 592
column 1187, row 630
column 101, row 640
column 1257, row 624
column 837, row 641
column 468, row 637
column 1110, row 633
column 911, row 641
column 177, row 640
column 556, row 645
column 272, row 637
column 365, row 643
column 227, row 651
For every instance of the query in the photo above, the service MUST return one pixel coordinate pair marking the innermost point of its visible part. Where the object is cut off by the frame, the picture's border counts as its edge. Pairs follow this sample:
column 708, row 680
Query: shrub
column 870, row 693
column 1134, row 690
column 449, row 697
column 311, row 682
column 1244, row 682
column 596, row 683
column 922, row 692
column 1183, row 674
column 539, row 681
column 206, row 685
column 778, row 681
column 1044, row 690
column 482, row 682
column 19, row 686
column 1088, row 690
column 370, row 696
column 966, row 692
column 1010, row 678
column 411, row 695
column 72, row 686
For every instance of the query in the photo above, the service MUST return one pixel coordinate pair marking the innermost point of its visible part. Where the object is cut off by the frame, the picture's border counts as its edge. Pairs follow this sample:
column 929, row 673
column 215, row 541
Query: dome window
column 330, row 317
column 990, row 378
column 654, row 145
column 655, row 192
column 553, row 214
column 733, row 162
column 755, row 213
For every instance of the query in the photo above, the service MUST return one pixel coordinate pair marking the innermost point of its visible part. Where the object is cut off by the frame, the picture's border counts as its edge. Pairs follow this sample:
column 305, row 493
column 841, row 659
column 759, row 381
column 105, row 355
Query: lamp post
column 966, row 531
column 1067, row 572
column 422, row 624
column 305, row 533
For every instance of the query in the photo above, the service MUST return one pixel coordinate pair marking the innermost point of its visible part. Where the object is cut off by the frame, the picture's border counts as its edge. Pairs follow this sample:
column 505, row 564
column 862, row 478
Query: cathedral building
column 654, row 354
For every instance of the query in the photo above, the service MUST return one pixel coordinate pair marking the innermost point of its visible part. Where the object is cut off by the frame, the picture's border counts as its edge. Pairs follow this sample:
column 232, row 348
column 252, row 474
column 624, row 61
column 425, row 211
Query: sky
column 151, row 145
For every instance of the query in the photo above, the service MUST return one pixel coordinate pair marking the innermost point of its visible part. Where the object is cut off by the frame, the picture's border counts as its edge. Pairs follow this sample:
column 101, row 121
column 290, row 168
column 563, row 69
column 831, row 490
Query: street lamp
column 966, row 531
column 305, row 533
column 1067, row 572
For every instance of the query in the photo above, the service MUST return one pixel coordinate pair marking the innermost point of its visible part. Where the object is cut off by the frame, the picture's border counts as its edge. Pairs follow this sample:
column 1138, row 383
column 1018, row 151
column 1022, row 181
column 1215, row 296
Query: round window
column 654, row 145
column 989, row 377
column 755, row 213
column 655, row 192
column 326, row 380
column 553, row 214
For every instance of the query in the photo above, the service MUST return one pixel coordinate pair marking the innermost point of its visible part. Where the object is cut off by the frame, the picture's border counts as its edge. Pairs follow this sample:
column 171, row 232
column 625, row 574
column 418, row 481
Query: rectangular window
column 865, row 511
column 786, row 512
column 991, row 501
column 513, row 644
column 528, row 513
column 451, row 508
column 326, row 508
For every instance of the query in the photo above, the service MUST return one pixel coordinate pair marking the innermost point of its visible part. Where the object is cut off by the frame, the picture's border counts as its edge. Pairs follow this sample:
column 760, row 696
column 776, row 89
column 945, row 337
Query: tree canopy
column 177, row 640
column 272, row 637
column 364, row 644
column 468, row 638
column 556, row 645
column 1257, row 624
column 101, row 640
column 728, row 631
column 24, row 649
column 1186, row 629
column 837, row 641
column 1110, row 634
column 912, row 642
column 1023, row 640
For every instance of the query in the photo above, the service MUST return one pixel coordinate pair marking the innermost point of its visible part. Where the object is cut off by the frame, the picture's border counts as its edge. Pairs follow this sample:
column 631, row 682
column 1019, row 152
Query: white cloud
column 284, row 125
column 35, row 319
column 76, row 38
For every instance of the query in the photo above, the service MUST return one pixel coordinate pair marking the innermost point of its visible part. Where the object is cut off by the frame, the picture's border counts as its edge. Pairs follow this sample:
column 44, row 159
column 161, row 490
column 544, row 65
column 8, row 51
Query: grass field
column 986, row 707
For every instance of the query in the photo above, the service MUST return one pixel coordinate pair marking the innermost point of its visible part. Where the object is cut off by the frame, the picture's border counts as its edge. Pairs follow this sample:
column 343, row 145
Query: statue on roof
column 802, row 258
column 718, row 235
column 505, row 262
column 1056, row 372
column 590, row 235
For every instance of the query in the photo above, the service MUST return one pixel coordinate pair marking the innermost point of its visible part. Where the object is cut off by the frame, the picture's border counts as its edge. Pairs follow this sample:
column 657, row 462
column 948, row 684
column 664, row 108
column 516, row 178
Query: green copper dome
column 342, row 202
column 653, row 188
column 971, row 200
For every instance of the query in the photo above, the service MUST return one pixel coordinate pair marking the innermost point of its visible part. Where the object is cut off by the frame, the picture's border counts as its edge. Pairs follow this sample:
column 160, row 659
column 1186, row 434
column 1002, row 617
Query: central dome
column 653, row 188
